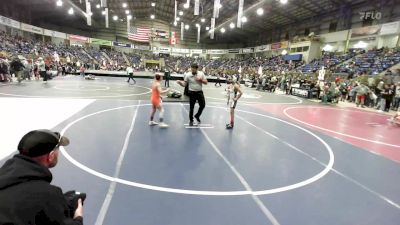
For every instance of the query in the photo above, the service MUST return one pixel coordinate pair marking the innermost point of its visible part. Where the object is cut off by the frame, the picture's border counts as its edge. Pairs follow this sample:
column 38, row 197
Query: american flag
column 139, row 34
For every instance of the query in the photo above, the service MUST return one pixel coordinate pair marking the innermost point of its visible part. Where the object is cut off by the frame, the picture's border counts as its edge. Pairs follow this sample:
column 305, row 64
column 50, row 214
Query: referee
column 167, row 75
column 195, row 81
column 129, row 71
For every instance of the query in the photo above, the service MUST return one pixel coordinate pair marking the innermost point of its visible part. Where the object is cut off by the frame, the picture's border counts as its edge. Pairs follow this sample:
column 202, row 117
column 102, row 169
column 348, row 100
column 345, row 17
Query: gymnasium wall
column 320, row 24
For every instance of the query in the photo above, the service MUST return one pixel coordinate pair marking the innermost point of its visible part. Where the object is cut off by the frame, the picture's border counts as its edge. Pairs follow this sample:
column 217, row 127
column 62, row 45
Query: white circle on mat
column 316, row 177
column 67, row 87
column 86, row 97
column 298, row 101
column 286, row 112
column 247, row 95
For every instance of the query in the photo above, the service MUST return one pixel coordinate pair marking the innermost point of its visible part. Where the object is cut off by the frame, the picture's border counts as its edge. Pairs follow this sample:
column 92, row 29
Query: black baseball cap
column 40, row 142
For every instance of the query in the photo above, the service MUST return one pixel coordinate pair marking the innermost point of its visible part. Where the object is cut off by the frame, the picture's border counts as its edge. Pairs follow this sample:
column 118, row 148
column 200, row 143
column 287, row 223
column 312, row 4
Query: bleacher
column 375, row 61
column 134, row 59
column 328, row 60
column 371, row 62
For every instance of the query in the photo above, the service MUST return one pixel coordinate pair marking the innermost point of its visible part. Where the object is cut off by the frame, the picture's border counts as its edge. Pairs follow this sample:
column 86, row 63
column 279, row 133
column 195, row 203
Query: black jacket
column 28, row 198
column 387, row 94
column 17, row 65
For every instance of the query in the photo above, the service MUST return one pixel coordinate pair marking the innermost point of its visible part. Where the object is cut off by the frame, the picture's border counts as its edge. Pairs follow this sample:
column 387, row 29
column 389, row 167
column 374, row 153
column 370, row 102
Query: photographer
column 27, row 197
column 195, row 81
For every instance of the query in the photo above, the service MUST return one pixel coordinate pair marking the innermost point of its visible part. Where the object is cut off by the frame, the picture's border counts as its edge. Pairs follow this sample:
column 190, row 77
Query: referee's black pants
column 44, row 75
column 166, row 84
column 130, row 76
column 218, row 82
column 195, row 96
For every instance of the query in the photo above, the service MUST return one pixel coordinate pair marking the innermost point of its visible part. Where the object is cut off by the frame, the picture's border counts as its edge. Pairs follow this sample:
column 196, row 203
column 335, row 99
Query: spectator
column 27, row 197
column 42, row 69
column 361, row 92
column 4, row 75
column 17, row 66
column 167, row 77
column 343, row 91
column 396, row 103
column 28, row 69
column 36, row 71
column 386, row 98
column 82, row 70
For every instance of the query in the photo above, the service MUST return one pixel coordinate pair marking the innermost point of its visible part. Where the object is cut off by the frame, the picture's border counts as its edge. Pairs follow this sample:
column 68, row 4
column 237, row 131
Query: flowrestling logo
column 370, row 15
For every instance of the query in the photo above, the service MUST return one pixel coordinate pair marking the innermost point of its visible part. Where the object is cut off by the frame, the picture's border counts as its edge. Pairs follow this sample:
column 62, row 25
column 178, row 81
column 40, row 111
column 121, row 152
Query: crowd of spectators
column 265, row 73
column 364, row 91
column 223, row 66
column 371, row 62
column 329, row 60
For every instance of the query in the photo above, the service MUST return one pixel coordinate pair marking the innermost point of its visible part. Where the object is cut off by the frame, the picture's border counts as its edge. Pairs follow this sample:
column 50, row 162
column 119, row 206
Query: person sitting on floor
column 395, row 118
column 90, row 77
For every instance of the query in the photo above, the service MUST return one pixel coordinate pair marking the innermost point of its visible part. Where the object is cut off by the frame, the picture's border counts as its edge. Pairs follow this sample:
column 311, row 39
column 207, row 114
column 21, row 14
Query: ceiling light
column 59, row 3
column 126, row 12
column 260, row 11
column 186, row 6
column 98, row 6
column 232, row 25
column 103, row 12
column 197, row 25
column 244, row 19
column 115, row 17
column 361, row 44
column 175, row 23
column 327, row 48
column 152, row 17
column 219, row 6
column 153, row 4
column 71, row 11
column 187, row 27
column 222, row 30
column 203, row 20
column 180, row 13
column 207, row 28
column 283, row 1
column 129, row 17
column 124, row 5
column 177, row 18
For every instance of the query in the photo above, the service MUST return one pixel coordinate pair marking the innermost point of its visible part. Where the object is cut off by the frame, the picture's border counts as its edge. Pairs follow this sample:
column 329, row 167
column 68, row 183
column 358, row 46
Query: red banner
column 276, row 45
column 78, row 38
